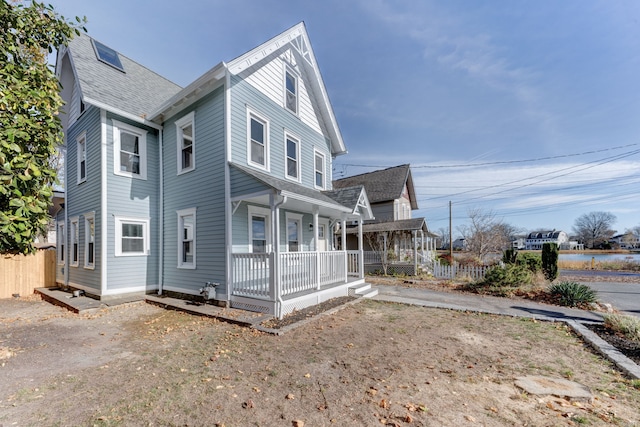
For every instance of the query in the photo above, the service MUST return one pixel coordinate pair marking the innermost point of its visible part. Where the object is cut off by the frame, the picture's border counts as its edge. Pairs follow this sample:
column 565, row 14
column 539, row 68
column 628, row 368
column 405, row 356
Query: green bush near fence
column 504, row 280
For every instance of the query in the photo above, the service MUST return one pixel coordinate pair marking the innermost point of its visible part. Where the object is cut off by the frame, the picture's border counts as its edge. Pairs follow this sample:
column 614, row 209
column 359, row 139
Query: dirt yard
column 369, row 364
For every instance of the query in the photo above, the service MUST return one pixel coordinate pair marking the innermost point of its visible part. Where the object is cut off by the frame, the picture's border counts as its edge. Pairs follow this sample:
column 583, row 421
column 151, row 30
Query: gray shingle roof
column 348, row 196
column 400, row 225
column 137, row 91
column 382, row 185
column 283, row 185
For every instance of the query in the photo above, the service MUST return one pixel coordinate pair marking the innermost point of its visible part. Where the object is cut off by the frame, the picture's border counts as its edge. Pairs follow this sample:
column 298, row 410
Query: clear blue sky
column 528, row 109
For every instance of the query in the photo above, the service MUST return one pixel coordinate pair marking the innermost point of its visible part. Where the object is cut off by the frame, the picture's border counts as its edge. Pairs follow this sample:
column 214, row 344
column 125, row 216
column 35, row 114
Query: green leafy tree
column 550, row 261
column 30, row 130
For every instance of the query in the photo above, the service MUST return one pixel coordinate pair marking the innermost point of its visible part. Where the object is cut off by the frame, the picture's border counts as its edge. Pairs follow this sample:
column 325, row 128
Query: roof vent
column 107, row 55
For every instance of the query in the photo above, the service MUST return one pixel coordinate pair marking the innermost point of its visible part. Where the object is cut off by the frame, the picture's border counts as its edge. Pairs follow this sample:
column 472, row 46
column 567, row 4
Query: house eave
column 190, row 94
column 121, row 113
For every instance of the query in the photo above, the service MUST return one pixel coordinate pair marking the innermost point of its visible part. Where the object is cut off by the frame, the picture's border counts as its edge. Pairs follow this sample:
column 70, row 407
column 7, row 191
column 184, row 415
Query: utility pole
column 450, row 235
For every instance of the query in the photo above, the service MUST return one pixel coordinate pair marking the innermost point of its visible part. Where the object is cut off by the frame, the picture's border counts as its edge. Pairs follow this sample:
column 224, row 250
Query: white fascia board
column 215, row 74
column 122, row 113
column 313, row 201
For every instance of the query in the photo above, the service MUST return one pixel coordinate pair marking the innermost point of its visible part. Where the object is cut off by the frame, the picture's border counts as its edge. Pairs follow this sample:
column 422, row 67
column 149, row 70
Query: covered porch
column 406, row 246
column 284, row 257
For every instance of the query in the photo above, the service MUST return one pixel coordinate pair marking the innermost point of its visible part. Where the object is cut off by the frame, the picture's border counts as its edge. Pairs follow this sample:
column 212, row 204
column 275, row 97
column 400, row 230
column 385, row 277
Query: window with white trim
column 74, row 234
column 129, row 151
column 61, row 238
column 186, row 143
column 132, row 236
column 187, row 238
column 259, row 226
column 294, row 232
column 319, row 168
column 291, row 91
column 89, row 240
column 292, row 156
column 257, row 141
column 81, row 151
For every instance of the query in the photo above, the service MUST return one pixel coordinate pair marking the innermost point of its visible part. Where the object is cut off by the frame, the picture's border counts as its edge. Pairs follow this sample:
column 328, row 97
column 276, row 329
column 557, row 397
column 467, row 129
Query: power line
column 503, row 162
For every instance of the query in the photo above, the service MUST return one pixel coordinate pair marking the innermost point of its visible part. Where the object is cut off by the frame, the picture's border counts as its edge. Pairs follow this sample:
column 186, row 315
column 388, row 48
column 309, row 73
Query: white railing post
column 343, row 229
column 360, row 250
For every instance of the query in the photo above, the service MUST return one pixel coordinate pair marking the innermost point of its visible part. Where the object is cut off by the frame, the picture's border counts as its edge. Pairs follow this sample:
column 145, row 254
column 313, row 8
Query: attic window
column 107, row 55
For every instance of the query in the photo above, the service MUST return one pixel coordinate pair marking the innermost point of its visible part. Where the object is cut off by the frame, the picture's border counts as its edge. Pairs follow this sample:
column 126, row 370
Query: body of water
column 635, row 257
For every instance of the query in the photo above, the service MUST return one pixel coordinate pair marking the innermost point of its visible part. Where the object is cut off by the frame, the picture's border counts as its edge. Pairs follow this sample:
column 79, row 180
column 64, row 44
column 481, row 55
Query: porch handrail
column 250, row 274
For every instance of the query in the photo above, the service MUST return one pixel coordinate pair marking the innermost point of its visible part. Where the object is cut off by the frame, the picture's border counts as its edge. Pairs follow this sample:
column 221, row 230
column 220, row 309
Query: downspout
column 161, row 213
column 275, row 228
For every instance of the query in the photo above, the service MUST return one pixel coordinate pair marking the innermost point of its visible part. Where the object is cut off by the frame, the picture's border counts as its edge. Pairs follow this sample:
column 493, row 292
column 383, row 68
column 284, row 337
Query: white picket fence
column 452, row 271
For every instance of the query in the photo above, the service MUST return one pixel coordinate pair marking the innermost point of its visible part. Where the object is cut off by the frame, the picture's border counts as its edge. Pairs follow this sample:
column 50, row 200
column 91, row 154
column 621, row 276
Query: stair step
column 363, row 291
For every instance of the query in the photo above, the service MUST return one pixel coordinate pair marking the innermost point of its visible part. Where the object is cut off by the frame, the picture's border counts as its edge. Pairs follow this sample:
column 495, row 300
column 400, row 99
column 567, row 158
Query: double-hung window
column 130, row 151
column 186, row 143
column 291, row 91
column 319, row 170
column 81, row 145
column 74, row 233
column 132, row 236
column 61, row 238
column 292, row 154
column 187, row 238
column 258, row 141
column 259, row 229
column 89, row 240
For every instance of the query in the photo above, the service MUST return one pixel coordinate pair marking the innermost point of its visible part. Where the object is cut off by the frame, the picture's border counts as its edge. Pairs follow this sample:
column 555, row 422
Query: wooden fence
column 21, row 274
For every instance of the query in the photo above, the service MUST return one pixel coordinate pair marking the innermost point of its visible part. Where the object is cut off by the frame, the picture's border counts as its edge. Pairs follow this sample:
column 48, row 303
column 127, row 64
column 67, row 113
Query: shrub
column 508, row 276
column 510, row 256
column 533, row 262
column 550, row 261
column 629, row 326
column 573, row 294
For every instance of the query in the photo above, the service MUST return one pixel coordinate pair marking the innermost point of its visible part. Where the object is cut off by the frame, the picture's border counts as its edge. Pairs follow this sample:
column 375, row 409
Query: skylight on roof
column 107, row 55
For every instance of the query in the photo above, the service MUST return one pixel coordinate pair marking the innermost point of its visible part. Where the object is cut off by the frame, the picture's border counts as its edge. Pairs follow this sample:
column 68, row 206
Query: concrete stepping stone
column 559, row 387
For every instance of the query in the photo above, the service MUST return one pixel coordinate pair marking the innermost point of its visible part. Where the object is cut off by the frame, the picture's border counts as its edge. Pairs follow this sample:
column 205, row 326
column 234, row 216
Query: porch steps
column 363, row 290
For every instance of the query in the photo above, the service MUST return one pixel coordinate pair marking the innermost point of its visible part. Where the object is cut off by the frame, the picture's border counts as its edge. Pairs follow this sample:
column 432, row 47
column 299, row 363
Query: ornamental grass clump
column 628, row 326
column 573, row 294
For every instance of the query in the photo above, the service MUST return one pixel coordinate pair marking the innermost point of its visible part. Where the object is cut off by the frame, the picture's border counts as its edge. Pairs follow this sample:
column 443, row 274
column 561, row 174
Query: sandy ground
column 369, row 364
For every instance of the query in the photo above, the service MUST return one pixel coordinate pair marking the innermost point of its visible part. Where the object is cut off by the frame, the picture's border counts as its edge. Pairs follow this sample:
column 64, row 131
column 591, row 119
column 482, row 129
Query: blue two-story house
column 227, row 180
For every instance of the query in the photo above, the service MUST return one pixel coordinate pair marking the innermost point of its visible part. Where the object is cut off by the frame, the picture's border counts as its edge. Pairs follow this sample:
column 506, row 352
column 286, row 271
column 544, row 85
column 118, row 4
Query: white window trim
column 289, row 70
column 181, row 214
column 61, row 237
column 295, row 217
column 252, row 114
column 263, row 212
column 119, row 220
column 324, row 169
column 89, row 216
column 74, row 236
column 142, row 145
column 292, row 137
column 81, row 139
column 189, row 119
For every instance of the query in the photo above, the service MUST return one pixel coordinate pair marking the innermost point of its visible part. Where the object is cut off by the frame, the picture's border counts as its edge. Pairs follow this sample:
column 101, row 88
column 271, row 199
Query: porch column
column 415, row 251
column 274, row 285
column 360, row 250
column 315, row 243
column 343, row 230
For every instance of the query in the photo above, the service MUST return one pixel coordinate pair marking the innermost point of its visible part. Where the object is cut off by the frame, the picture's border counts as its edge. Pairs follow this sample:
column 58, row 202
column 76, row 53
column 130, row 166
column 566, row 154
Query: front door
column 322, row 237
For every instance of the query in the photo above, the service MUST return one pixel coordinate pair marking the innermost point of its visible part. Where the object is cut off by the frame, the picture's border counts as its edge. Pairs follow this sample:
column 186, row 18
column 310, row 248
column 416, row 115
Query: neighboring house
column 392, row 198
column 460, row 244
column 536, row 239
column 519, row 242
column 227, row 180
column 57, row 204
column 626, row 241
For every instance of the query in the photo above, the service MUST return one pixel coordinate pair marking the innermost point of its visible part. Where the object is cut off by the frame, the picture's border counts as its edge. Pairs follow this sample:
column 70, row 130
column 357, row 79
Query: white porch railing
column 299, row 272
column 251, row 274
